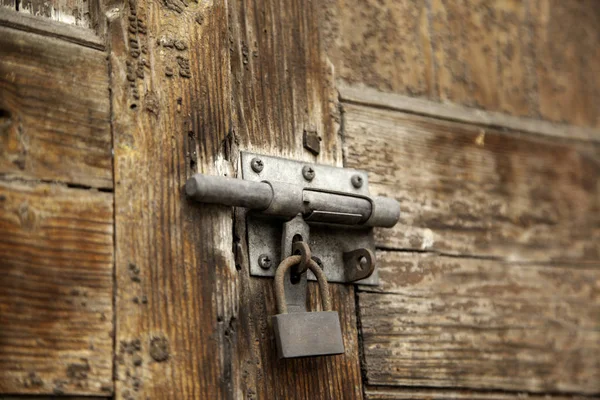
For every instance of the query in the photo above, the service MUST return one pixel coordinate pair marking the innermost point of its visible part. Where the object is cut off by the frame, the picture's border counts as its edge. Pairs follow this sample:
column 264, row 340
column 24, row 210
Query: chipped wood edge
column 49, row 28
column 371, row 97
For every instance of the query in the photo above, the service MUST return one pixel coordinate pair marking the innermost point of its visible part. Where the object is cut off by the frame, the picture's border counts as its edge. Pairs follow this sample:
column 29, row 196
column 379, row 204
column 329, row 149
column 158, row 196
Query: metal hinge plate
column 328, row 242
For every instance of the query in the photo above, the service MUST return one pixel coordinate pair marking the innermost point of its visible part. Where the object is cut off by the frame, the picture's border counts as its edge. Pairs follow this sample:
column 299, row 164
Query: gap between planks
column 452, row 112
column 74, row 186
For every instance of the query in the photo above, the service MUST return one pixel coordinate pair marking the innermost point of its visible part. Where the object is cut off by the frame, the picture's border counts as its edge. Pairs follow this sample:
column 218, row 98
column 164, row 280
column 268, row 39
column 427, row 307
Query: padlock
column 305, row 334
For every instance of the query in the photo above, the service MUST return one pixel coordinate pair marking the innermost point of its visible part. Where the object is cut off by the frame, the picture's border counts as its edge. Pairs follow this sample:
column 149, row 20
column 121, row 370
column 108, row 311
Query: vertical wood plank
column 191, row 322
column 282, row 86
column 176, row 280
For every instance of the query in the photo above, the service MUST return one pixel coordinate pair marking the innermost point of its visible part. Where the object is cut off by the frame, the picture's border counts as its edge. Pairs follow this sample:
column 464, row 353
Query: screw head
column 357, row 181
column 264, row 261
column 308, row 173
column 257, row 164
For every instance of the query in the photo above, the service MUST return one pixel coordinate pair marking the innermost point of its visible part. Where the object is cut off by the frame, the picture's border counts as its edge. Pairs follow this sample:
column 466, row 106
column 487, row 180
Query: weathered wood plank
column 56, row 261
column 66, row 11
column 278, row 92
column 190, row 324
column 470, row 190
column 456, row 322
column 72, row 12
column 8, row 5
column 565, row 36
column 525, row 58
column 379, row 393
column 380, row 44
column 282, row 86
column 24, row 397
column 54, row 111
column 47, row 27
column 176, row 281
column 453, row 112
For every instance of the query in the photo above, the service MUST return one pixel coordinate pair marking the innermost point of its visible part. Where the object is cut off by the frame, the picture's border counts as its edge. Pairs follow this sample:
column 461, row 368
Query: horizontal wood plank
column 56, row 262
column 379, row 393
column 26, row 397
column 47, row 27
column 54, row 111
column 457, row 322
column 72, row 12
column 533, row 58
column 8, row 5
column 454, row 112
column 469, row 190
column 80, row 13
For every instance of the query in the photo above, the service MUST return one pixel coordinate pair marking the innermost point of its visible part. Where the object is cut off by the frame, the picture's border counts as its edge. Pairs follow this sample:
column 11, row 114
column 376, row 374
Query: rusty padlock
column 305, row 334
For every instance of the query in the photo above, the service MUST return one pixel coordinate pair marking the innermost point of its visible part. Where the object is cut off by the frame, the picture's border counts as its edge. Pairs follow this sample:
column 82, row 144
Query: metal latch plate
column 328, row 242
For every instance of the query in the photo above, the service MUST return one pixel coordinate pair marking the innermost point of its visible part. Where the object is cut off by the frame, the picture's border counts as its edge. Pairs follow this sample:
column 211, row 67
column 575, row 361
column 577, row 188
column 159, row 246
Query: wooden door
column 480, row 118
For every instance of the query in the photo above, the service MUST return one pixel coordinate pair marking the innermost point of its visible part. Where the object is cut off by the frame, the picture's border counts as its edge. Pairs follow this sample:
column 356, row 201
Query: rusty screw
column 308, row 173
column 357, row 181
column 264, row 261
column 257, row 165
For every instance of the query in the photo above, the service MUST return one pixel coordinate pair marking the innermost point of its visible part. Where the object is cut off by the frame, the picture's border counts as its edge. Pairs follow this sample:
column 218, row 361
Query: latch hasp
column 327, row 241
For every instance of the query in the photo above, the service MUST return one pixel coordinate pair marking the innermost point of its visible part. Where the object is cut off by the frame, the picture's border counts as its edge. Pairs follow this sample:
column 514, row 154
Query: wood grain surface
column 54, row 111
column 52, row 29
column 536, row 58
column 8, row 5
column 282, row 87
column 192, row 85
column 397, row 393
column 365, row 96
column 56, row 291
column 81, row 13
column 456, row 322
column 469, row 190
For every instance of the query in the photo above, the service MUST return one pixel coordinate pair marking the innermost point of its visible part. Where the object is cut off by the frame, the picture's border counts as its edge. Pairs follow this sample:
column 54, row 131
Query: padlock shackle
column 283, row 267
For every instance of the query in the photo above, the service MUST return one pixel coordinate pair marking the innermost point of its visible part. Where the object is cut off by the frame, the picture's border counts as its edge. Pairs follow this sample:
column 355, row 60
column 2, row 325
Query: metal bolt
column 264, row 261
column 257, row 165
column 308, row 173
column 357, row 181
